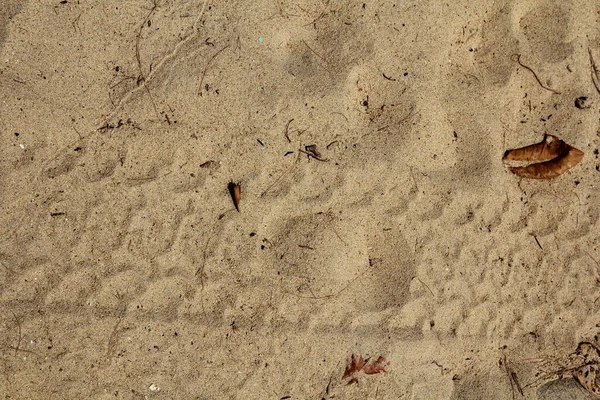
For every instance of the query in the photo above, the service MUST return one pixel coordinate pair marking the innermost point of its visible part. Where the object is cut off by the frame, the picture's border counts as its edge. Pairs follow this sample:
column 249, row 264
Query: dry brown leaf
column 376, row 367
column 358, row 363
column 550, row 169
column 355, row 364
column 555, row 155
column 547, row 149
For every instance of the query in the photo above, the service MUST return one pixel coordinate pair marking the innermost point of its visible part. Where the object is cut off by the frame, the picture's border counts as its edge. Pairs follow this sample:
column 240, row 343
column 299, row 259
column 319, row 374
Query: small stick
column 337, row 112
column 534, row 75
column 75, row 23
column 285, row 132
column 594, row 72
column 206, row 68
column 142, row 78
column 538, row 242
column 328, row 296
column 200, row 269
column 331, row 144
column 512, row 378
column 513, row 375
column 112, row 339
column 18, row 321
column 409, row 116
column 317, row 54
column 313, row 155
column 284, row 173
column 423, row 283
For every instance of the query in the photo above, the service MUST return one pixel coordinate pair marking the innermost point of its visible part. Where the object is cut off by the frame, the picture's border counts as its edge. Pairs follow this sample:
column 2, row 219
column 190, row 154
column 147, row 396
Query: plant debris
column 357, row 363
column 518, row 59
column 554, row 157
column 312, row 151
column 587, row 373
column 235, row 192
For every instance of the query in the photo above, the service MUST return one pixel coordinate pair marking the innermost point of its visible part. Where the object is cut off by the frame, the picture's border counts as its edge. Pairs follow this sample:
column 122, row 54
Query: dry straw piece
column 554, row 158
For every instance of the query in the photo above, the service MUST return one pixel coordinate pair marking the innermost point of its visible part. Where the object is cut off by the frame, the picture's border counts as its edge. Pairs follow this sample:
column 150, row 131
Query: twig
column 284, row 173
column 317, row 54
column 200, row 269
column 309, row 154
column 158, row 66
column 75, row 23
column 112, row 339
column 538, row 242
column 328, row 296
column 18, row 321
column 314, row 21
column 339, row 237
column 10, row 271
column 594, row 72
column 331, row 144
column 337, row 112
column 153, row 102
column 285, row 131
column 510, row 380
column 141, row 78
column 512, row 377
column 428, row 288
column 206, row 68
column 518, row 58
column 409, row 116
column 18, row 348
column 590, row 256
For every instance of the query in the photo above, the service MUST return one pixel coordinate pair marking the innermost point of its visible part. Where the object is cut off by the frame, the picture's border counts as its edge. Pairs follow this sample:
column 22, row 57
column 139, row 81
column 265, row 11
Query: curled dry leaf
column 235, row 192
column 554, row 158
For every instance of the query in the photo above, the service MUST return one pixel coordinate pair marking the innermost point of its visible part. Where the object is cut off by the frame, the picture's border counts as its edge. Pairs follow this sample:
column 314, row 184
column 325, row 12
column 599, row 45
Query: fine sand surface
column 127, row 273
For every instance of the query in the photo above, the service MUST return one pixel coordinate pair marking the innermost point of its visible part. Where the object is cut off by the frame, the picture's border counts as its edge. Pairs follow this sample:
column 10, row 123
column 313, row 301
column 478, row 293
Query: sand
column 127, row 273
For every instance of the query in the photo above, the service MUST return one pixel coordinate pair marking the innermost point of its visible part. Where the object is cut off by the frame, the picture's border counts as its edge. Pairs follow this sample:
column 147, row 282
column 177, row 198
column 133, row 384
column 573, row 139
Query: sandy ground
column 126, row 272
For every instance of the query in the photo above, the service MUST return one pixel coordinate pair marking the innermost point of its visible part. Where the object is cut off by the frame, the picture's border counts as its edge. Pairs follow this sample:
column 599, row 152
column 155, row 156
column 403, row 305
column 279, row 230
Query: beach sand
column 376, row 216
